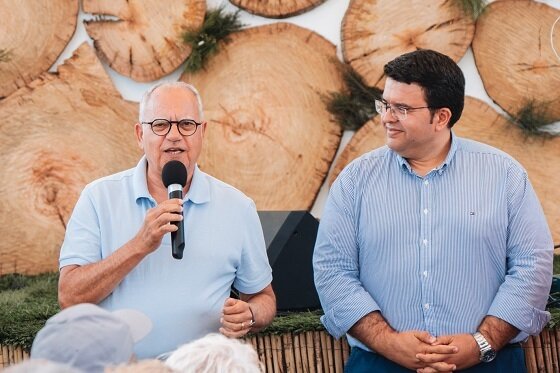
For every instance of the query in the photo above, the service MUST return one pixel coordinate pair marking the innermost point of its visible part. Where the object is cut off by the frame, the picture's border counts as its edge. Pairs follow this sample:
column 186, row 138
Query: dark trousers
column 510, row 359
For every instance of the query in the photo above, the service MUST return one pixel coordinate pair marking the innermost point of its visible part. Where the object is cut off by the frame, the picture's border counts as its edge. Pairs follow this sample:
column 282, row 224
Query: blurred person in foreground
column 89, row 338
column 141, row 366
column 433, row 252
column 117, row 250
column 41, row 366
column 215, row 353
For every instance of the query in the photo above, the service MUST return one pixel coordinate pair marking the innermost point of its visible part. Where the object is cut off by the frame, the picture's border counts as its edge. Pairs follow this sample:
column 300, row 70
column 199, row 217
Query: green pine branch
column 355, row 106
column 217, row 26
column 5, row 55
column 472, row 8
column 532, row 118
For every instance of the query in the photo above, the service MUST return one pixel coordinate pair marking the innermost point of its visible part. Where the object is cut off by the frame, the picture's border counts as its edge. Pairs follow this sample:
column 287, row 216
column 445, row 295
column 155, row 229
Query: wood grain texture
column 276, row 8
column 514, row 57
column 269, row 133
column 145, row 42
column 57, row 134
column 376, row 31
column 34, row 33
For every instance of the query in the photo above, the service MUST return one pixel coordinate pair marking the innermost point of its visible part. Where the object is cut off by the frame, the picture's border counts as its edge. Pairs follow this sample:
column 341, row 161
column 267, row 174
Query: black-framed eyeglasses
column 398, row 111
column 161, row 127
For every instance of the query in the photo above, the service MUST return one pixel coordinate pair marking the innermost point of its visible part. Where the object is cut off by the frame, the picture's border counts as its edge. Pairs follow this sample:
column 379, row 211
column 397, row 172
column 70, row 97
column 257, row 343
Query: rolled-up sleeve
column 335, row 260
column 522, row 297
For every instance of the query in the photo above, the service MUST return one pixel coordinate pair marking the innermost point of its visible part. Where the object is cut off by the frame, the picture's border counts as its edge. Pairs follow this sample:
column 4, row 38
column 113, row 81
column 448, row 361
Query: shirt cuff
column 520, row 314
column 339, row 319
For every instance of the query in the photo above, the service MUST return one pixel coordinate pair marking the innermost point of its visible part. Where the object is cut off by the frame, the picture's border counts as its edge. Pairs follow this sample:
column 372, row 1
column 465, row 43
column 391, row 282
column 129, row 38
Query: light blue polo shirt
column 224, row 245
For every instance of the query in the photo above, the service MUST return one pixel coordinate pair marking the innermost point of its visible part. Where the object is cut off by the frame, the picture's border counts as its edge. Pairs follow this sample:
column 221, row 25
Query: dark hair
column 439, row 76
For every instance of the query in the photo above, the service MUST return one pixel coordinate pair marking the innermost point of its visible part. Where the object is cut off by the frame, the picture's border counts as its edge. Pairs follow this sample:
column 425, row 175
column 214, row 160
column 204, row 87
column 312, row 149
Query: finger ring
column 242, row 325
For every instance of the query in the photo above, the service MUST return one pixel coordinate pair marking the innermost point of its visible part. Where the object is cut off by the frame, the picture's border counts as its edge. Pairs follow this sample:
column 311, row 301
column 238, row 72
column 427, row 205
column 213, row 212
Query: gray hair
column 215, row 353
column 142, row 366
column 148, row 95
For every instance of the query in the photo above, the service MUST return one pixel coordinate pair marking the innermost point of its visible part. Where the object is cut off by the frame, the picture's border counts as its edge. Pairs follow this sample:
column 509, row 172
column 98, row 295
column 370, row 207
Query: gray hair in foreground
column 215, row 353
column 142, row 366
column 148, row 95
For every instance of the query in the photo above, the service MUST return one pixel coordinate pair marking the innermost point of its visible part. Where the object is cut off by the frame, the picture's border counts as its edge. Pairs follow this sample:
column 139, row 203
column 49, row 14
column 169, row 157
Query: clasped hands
column 420, row 351
column 236, row 318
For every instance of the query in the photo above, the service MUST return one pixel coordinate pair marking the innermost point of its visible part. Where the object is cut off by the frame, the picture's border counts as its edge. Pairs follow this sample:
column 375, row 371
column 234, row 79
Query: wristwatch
column 487, row 353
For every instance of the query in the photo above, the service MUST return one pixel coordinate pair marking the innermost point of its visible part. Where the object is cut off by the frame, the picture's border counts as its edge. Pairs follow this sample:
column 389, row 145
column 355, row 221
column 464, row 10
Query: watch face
column 488, row 356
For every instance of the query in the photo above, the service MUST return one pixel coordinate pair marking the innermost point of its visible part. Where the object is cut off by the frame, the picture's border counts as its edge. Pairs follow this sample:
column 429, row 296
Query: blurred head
column 173, row 102
column 89, row 338
column 142, row 366
column 215, row 353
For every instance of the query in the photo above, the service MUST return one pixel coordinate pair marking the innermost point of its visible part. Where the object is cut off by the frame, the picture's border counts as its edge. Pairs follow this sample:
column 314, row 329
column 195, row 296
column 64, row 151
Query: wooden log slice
column 59, row 133
column 269, row 133
column 276, row 8
column 370, row 136
column 145, row 43
column 480, row 122
column 376, row 31
column 34, row 33
column 513, row 54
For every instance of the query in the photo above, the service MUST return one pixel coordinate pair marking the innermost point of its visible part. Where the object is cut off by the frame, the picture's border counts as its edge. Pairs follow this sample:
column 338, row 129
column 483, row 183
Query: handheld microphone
column 174, row 177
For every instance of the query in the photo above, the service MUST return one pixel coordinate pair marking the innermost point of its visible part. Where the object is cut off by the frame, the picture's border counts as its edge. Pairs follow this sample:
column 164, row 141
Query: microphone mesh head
column 174, row 172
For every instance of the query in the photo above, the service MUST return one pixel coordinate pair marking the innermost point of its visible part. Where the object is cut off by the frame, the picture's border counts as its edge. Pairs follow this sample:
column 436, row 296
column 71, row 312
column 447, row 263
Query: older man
column 433, row 252
column 117, row 252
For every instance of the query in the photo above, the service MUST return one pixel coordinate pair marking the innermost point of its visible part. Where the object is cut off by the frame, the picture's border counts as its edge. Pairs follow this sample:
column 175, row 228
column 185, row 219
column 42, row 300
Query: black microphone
column 174, row 176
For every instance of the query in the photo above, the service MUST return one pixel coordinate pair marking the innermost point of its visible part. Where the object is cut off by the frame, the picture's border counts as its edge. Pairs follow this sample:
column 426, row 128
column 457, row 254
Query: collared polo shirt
column 224, row 245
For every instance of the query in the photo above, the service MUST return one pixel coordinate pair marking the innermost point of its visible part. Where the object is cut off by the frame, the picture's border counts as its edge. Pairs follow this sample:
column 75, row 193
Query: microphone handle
column 178, row 237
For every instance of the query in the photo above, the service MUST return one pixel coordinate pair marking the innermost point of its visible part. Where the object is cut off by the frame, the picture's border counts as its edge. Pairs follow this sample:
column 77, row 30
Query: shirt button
column 425, row 242
column 427, row 306
column 426, row 182
column 425, row 211
column 425, row 273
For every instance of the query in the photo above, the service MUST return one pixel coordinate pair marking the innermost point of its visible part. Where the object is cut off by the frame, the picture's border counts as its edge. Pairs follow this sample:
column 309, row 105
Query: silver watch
column 487, row 353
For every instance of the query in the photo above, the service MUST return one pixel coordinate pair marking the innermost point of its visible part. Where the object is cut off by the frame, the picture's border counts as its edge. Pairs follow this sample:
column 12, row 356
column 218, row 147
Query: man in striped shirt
column 433, row 252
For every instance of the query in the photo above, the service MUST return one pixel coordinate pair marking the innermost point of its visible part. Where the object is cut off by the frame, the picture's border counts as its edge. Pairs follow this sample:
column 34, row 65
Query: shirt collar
column 448, row 159
column 139, row 180
column 199, row 191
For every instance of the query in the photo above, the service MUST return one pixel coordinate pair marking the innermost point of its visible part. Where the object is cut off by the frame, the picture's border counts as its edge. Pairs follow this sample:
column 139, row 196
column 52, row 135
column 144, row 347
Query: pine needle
column 204, row 42
column 5, row 55
column 472, row 8
column 532, row 117
column 354, row 107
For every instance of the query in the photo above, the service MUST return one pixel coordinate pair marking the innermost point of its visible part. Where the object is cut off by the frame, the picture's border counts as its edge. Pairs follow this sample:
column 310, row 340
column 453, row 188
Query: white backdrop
column 326, row 19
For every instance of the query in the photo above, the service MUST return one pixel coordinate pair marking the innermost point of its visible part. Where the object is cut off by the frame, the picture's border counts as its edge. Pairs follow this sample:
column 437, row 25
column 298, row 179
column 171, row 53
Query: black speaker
column 290, row 239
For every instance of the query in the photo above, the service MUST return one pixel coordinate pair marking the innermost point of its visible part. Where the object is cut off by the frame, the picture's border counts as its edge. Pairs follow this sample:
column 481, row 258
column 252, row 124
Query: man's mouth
column 174, row 150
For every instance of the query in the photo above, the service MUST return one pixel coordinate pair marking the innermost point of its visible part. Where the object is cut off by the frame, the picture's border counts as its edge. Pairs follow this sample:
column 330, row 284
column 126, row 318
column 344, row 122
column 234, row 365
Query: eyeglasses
column 161, row 127
column 398, row 111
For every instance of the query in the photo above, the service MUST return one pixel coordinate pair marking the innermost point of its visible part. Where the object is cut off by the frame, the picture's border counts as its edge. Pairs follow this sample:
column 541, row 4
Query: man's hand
column 236, row 318
column 404, row 347
column 157, row 224
column 468, row 354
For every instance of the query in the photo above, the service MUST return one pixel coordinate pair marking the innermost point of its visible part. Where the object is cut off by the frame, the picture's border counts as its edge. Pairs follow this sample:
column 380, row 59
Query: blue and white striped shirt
column 435, row 253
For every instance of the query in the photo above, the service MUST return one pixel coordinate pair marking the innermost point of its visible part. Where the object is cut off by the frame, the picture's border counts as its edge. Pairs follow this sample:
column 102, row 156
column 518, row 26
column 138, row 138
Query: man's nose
column 174, row 133
column 389, row 116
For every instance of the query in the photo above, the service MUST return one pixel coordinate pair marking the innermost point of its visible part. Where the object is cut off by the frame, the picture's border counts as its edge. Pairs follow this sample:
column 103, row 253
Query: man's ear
column 139, row 131
column 442, row 117
column 203, row 128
